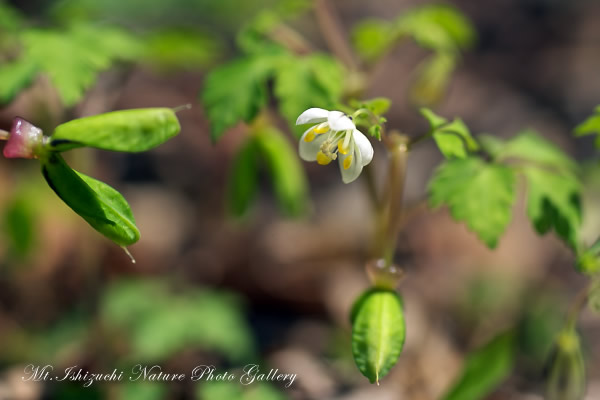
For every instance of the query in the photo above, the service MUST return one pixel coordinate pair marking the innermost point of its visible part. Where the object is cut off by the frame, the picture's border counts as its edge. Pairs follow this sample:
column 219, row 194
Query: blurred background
column 208, row 288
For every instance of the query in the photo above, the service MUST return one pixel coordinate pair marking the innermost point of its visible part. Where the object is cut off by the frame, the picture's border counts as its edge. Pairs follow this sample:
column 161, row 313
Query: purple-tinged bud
column 24, row 140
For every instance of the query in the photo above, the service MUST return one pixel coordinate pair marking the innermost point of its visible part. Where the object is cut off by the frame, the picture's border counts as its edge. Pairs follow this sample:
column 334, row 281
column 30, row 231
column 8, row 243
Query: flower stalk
column 390, row 212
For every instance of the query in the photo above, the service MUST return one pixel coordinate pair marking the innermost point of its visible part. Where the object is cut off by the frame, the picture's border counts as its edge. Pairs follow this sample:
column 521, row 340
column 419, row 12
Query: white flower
column 334, row 134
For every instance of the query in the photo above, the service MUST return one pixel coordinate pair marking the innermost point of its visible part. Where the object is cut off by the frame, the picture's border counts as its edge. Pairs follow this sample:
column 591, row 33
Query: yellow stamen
column 310, row 136
column 341, row 148
column 322, row 158
column 347, row 162
column 321, row 128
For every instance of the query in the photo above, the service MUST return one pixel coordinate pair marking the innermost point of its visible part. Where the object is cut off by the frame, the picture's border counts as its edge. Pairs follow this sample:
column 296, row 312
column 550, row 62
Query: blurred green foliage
column 233, row 391
column 158, row 322
column 440, row 28
column 72, row 54
column 590, row 126
column 19, row 225
column 485, row 369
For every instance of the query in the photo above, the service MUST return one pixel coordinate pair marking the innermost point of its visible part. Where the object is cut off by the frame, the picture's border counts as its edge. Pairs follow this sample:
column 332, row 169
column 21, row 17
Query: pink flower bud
column 24, row 140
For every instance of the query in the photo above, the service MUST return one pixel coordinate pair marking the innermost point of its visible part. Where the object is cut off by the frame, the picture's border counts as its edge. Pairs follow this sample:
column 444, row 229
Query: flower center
column 334, row 143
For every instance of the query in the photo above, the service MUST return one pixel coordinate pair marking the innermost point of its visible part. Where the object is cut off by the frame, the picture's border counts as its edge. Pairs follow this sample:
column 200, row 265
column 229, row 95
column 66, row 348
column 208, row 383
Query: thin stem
column 372, row 186
column 4, row 135
column 333, row 33
column 392, row 210
column 577, row 306
column 417, row 139
column 290, row 39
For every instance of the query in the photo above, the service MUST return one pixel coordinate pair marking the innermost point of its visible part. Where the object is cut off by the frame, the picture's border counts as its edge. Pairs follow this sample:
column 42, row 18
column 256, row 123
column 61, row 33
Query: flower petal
column 364, row 146
column 350, row 174
column 308, row 150
column 338, row 121
column 312, row 116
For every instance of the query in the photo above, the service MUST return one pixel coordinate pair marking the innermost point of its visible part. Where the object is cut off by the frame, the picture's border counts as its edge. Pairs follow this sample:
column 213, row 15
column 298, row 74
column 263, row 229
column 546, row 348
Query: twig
column 333, row 33
column 290, row 39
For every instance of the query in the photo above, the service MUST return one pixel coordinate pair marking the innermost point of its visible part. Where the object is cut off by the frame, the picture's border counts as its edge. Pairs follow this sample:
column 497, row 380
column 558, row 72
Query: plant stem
column 390, row 217
column 290, row 39
column 333, row 33
column 577, row 306
column 417, row 139
column 4, row 135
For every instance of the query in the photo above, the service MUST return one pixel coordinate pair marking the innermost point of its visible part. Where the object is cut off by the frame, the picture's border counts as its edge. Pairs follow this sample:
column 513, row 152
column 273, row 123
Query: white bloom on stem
column 334, row 136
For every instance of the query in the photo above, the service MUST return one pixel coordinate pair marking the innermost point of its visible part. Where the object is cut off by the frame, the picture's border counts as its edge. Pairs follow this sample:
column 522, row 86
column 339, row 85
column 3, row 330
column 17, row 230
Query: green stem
column 577, row 306
column 418, row 139
column 390, row 217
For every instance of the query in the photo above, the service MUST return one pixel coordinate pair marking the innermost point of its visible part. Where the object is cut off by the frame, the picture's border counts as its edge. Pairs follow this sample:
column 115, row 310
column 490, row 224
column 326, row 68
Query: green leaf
column 378, row 333
column 485, row 369
column 243, row 181
column 158, row 322
column 233, row 391
column 14, row 77
column 127, row 130
column 590, row 126
column 101, row 206
column 554, row 202
column 588, row 261
column 19, row 225
column 478, row 193
column 219, row 391
column 371, row 38
column 453, row 139
column 435, row 121
column 377, row 105
column 375, row 131
column 529, row 146
column 72, row 59
column 289, row 180
column 236, row 92
column 433, row 76
column 10, row 18
column 450, row 145
column 491, row 144
column 304, row 82
column 437, row 27
column 177, row 49
column 142, row 390
column 263, row 391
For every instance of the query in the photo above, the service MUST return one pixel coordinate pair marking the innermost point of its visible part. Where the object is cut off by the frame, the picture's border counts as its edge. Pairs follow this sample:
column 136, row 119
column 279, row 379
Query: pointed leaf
column 101, row 206
column 378, row 333
column 15, row 77
column 590, row 126
column 236, row 92
column 435, row 121
column 288, row 177
column 128, row 130
column 485, row 369
column 243, row 182
column 531, row 147
column 305, row 82
column 554, row 202
column 477, row 193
